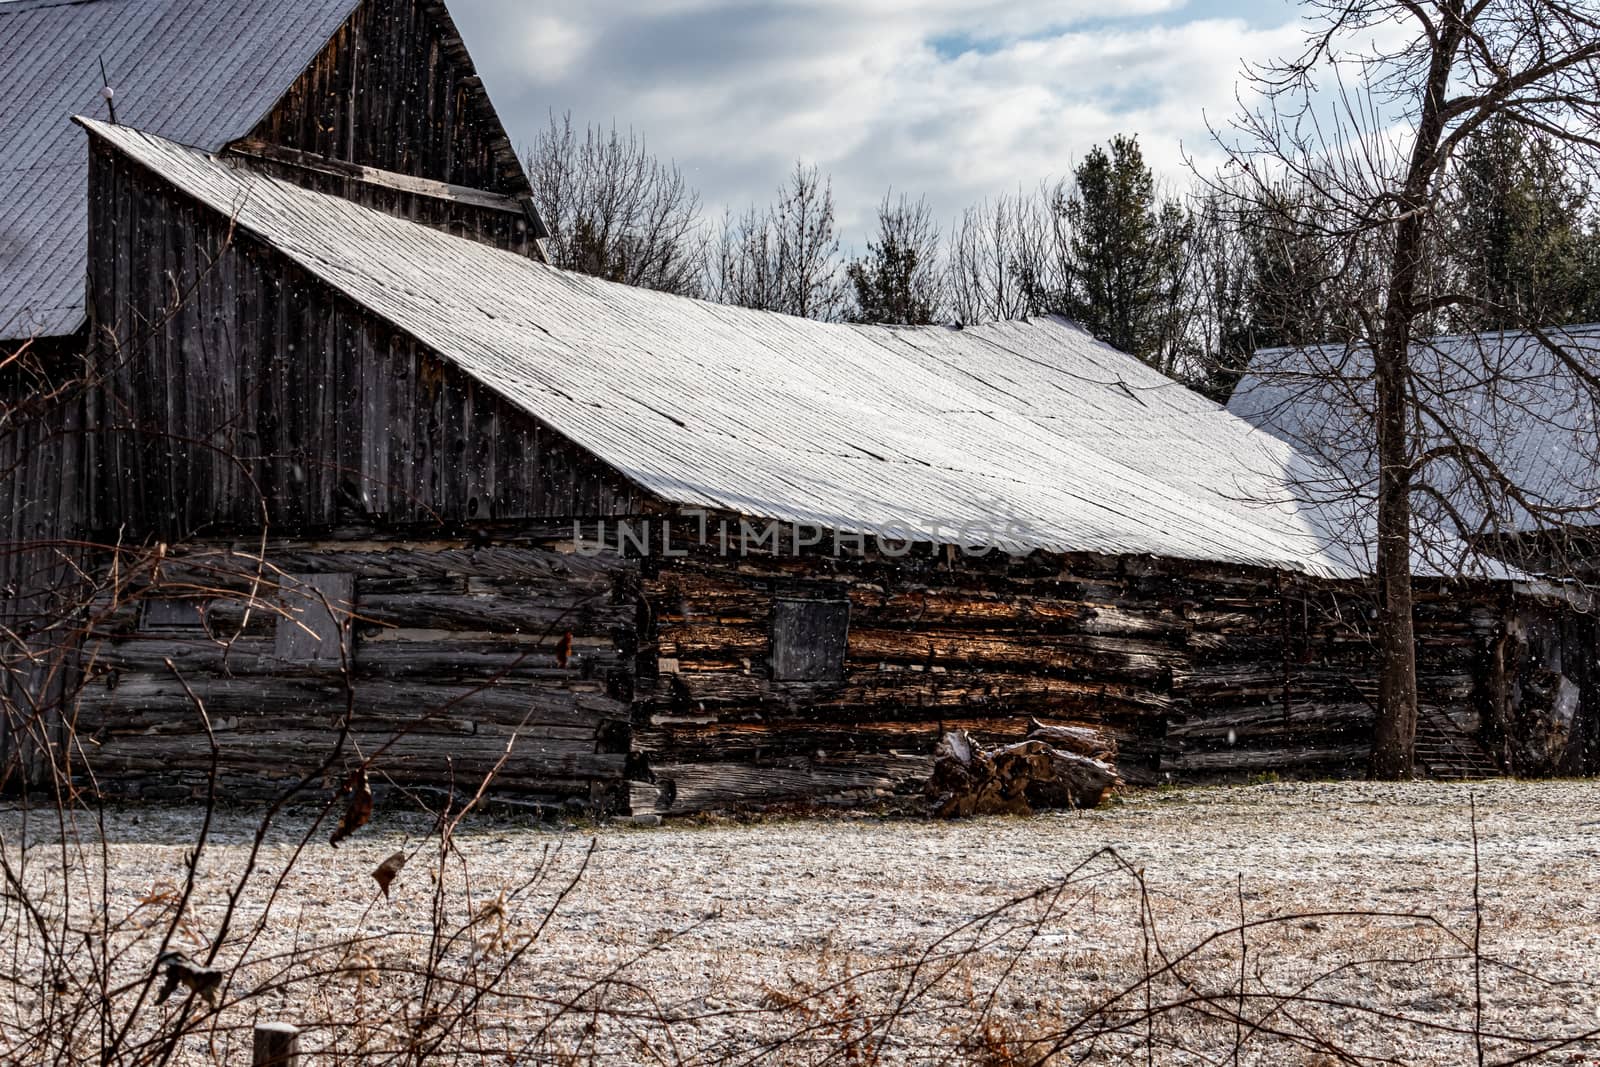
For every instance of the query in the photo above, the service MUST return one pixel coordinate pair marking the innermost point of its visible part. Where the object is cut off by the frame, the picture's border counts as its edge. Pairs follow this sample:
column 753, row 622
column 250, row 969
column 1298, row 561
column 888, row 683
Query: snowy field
column 786, row 940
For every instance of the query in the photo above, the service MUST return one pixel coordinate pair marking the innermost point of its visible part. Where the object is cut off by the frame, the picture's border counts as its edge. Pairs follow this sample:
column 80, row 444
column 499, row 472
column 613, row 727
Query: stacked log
column 934, row 645
column 1056, row 767
column 454, row 655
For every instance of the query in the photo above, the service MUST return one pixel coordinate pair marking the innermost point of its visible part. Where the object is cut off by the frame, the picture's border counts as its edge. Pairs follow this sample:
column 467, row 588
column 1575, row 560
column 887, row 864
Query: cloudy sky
column 952, row 99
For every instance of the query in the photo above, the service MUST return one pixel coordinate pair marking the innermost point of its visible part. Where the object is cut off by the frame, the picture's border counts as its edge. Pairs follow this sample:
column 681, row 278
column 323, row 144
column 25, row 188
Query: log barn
column 396, row 480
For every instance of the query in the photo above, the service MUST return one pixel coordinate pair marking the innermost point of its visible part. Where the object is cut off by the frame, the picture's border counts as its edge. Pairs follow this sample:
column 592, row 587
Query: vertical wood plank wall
column 395, row 89
column 47, row 459
column 244, row 390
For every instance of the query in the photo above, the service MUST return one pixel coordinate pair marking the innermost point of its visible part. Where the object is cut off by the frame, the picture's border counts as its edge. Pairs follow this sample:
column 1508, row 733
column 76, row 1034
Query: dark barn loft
column 640, row 552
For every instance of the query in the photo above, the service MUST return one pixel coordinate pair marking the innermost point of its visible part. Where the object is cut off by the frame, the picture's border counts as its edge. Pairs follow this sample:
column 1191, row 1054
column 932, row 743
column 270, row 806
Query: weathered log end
column 1088, row 741
column 1020, row 778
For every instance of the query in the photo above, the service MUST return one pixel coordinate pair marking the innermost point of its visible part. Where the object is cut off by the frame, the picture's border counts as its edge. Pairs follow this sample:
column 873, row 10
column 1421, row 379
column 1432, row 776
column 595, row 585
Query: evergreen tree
column 898, row 281
column 1518, row 240
column 1128, row 249
column 1290, row 269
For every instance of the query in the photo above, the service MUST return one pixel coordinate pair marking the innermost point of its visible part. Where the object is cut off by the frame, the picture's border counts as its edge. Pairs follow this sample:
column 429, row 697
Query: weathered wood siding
column 452, row 650
column 1281, row 672
column 244, row 390
column 930, row 648
column 395, row 89
column 47, row 460
column 488, row 218
column 1197, row 671
column 1550, row 659
column 670, row 703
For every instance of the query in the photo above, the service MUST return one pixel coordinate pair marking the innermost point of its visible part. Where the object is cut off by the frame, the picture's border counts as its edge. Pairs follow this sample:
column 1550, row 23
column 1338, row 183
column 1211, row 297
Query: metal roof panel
column 201, row 72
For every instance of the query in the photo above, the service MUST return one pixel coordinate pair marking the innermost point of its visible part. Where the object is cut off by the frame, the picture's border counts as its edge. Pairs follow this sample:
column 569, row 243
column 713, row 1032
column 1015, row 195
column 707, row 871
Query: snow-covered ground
column 728, row 925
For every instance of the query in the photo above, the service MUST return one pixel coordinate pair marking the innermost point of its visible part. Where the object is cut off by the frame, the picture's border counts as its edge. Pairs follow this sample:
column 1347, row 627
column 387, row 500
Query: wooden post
column 276, row 1045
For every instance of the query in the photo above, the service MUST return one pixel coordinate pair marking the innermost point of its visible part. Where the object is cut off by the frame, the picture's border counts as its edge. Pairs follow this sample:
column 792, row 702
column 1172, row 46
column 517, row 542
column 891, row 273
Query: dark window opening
column 173, row 615
column 808, row 639
column 314, row 626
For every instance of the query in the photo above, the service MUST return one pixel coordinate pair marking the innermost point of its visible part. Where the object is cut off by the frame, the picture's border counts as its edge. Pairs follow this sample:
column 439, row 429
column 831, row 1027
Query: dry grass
column 789, row 940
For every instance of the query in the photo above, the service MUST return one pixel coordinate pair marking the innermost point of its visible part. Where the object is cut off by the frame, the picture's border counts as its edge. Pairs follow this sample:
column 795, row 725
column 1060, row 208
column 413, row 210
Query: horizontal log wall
column 932, row 646
column 1196, row 671
column 453, row 650
column 245, row 388
column 1282, row 673
column 669, row 701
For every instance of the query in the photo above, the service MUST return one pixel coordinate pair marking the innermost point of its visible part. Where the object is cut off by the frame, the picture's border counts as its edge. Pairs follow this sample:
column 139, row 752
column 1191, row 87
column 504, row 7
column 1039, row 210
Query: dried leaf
column 564, row 650
column 358, row 811
column 388, row 870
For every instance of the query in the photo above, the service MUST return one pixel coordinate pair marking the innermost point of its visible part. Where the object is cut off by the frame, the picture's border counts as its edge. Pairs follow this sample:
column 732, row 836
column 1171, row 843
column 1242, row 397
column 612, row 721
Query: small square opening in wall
column 314, row 626
column 176, row 616
column 808, row 639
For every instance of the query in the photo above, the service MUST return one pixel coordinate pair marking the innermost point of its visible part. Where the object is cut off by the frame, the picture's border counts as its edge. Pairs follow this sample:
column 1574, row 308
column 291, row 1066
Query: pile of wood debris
column 1056, row 767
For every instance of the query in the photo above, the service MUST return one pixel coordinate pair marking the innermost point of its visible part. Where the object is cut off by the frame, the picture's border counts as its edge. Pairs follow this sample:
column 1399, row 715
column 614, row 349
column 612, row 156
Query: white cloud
column 551, row 47
column 957, row 99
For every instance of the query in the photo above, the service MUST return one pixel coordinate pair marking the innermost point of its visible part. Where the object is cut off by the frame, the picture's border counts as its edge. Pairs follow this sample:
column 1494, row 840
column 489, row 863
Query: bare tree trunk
column 1395, row 735
column 1440, row 427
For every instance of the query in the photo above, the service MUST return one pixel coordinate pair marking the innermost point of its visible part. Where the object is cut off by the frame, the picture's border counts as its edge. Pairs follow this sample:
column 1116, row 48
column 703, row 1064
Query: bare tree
column 1218, row 292
column 740, row 264
column 614, row 210
column 808, row 246
column 1367, row 118
column 1011, row 257
column 785, row 258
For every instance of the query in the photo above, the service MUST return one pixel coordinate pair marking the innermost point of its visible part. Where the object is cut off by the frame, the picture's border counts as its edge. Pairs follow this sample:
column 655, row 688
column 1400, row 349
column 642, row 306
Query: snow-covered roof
column 1506, row 393
column 1028, row 434
column 203, row 72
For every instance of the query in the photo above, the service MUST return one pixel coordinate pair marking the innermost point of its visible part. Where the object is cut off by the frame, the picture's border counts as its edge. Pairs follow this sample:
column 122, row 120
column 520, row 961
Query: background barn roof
column 1504, row 392
column 1032, row 432
column 202, row 72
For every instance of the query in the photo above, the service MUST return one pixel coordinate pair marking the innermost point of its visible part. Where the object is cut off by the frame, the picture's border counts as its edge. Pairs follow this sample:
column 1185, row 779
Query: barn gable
column 395, row 89
column 263, row 394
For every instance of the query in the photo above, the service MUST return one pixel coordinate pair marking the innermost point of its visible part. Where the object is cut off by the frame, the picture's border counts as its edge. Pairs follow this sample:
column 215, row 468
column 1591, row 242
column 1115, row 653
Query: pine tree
column 898, row 281
column 1518, row 241
column 1128, row 248
column 1290, row 269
